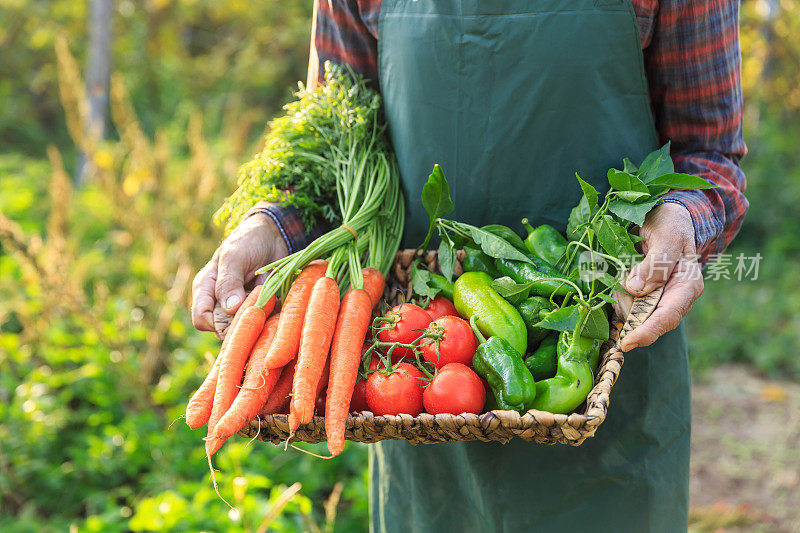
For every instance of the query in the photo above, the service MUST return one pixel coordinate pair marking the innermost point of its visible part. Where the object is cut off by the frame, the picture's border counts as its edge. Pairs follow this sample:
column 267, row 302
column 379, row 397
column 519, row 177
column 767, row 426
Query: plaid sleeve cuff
column 291, row 226
column 705, row 219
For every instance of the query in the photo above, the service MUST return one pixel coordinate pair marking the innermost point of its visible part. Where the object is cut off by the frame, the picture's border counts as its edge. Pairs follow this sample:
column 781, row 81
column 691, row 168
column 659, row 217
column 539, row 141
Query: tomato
column 441, row 306
column 404, row 323
column 395, row 393
column 455, row 389
column 458, row 343
column 358, row 402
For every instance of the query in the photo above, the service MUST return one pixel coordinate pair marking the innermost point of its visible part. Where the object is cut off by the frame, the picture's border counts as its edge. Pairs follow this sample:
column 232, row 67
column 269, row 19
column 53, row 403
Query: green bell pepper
column 477, row 261
column 473, row 295
column 545, row 242
column 444, row 285
column 543, row 363
column 537, row 272
column 574, row 378
column 533, row 310
column 512, row 384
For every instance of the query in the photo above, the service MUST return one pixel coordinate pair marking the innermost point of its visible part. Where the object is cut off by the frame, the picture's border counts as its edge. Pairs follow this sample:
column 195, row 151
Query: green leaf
column 508, row 288
column 436, row 200
column 491, row 244
column 562, row 319
column 606, row 298
column 675, row 180
column 629, row 167
column 579, row 215
column 632, row 212
column 635, row 238
column 507, row 234
column 632, row 196
column 624, row 181
column 447, row 257
column 610, row 281
column 613, row 237
column 596, row 325
column 589, row 192
column 420, row 279
column 656, row 164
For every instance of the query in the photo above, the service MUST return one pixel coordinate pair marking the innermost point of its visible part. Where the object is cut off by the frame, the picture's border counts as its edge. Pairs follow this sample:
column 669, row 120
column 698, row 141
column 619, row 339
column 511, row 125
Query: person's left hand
column 670, row 261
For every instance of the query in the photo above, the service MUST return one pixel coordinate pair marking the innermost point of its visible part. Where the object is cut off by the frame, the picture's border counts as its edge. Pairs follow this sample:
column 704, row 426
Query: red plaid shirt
column 692, row 60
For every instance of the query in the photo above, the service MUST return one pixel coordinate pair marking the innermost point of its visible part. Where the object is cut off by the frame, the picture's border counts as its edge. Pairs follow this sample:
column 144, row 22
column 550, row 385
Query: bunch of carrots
column 326, row 300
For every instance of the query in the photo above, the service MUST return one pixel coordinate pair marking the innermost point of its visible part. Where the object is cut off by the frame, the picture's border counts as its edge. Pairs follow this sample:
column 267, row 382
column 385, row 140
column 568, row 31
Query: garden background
column 97, row 352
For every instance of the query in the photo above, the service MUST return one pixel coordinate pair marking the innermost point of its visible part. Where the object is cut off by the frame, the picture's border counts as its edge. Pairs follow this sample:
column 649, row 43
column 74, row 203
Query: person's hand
column 256, row 242
column 670, row 261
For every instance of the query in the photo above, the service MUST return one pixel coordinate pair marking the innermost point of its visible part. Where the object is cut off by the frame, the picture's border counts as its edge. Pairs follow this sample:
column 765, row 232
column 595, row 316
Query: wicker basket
column 501, row 426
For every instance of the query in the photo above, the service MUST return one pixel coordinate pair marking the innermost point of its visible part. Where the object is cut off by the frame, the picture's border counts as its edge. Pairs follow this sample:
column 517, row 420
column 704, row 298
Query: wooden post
column 98, row 70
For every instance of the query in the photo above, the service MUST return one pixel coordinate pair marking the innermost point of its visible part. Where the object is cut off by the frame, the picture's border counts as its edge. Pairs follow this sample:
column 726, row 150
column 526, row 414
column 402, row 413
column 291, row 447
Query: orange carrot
column 374, row 284
column 278, row 400
column 351, row 328
column 287, row 338
column 199, row 408
column 232, row 364
column 258, row 383
column 318, row 326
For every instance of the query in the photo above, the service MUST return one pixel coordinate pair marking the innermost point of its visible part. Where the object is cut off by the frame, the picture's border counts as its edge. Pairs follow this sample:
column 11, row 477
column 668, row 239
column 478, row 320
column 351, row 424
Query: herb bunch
column 306, row 147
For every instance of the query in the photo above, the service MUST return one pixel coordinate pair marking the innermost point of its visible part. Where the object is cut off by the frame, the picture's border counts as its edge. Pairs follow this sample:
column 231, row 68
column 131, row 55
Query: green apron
column 513, row 97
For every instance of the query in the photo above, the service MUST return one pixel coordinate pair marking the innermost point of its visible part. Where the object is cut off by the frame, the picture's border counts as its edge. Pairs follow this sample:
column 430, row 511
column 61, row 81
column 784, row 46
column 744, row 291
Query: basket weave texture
column 500, row 426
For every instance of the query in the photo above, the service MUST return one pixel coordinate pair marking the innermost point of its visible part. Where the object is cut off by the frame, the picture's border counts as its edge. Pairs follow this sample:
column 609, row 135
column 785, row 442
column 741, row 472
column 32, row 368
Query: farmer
column 511, row 98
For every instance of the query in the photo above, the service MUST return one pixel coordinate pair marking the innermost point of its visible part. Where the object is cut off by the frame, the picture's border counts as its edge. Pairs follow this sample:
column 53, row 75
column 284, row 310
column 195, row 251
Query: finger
column 680, row 293
column 230, row 281
column 663, row 253
column 623, row 305
column 203, row 296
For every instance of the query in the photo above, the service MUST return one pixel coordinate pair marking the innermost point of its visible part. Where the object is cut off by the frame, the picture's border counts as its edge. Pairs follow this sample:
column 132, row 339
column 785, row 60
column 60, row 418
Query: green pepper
column 545, row 242
column 473, row 295
column 537, row 272
column 512, row 384
column 477, row 261
column 574, row 378
column 444, row 285
column 532, row 311
column 543, row 363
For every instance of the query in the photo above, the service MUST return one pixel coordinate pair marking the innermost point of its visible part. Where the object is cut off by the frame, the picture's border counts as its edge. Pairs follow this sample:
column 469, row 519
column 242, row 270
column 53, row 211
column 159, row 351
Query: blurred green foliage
column 97, row 353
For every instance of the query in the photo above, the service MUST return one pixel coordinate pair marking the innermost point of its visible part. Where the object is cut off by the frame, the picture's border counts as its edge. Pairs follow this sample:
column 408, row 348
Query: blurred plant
column 97, row 351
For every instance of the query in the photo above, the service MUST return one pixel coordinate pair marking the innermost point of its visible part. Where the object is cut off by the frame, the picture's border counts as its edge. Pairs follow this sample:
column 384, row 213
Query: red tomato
column 455, row 389
column 441, row 306
column 398, row 392
column 358, row 402
column 458, row 343
column 404, row 323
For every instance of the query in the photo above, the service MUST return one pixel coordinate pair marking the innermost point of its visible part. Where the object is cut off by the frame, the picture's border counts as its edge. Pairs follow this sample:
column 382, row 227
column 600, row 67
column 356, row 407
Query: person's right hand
column 257, row 241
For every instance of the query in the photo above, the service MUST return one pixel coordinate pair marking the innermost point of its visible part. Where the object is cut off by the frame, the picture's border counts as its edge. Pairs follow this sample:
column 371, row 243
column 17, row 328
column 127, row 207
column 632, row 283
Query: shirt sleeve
column 290, row 224
column 693, row 69
column 345, row 32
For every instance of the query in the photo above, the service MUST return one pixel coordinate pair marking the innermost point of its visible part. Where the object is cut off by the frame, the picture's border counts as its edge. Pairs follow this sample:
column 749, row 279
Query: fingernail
column 635, row 284
column 232, row 302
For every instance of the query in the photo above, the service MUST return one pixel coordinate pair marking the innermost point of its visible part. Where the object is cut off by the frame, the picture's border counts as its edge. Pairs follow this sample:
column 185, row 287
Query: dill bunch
column 307, row 147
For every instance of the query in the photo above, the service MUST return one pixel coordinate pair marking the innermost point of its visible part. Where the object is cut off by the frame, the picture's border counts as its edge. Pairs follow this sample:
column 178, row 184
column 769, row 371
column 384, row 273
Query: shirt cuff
column 705, row 219
column 290, row 224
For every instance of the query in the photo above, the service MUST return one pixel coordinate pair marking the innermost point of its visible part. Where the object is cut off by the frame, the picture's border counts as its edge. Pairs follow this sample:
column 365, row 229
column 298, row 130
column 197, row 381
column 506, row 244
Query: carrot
column 374, row 283
column 199, row 407
column 258, row 383
column 231, row 366
column 278, row 400
column 318, row 325
column 287, row 338
column 351, row 328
